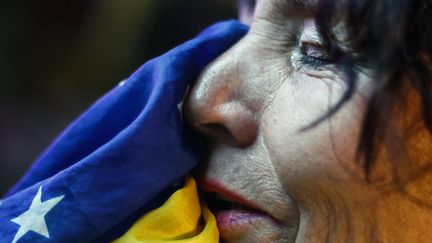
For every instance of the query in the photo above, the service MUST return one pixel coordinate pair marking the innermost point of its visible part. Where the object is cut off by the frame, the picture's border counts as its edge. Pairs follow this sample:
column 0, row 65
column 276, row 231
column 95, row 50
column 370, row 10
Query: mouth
column 219, row 203
column 234, row 213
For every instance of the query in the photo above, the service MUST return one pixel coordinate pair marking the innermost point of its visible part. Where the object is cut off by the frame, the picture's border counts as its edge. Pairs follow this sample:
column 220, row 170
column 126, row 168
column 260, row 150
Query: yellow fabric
column 179, row 219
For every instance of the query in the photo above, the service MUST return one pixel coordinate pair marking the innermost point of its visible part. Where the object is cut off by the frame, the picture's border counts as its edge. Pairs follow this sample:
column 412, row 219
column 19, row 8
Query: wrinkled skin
column 253, row 102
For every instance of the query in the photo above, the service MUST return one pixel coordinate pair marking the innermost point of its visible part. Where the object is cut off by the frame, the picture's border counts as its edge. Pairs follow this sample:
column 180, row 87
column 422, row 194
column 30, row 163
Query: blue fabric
column 122, row 156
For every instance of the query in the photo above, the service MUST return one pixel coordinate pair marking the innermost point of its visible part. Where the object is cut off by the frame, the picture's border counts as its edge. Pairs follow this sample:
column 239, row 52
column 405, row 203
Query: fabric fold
column 180, row 219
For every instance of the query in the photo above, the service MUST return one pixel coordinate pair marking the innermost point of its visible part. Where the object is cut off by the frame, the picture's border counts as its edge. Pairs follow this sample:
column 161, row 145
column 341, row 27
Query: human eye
column 314, row 59
column 315, row 55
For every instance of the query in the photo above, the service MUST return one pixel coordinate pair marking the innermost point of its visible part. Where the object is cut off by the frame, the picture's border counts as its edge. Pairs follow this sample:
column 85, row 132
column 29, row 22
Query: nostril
column 225, row 122
column 217, row 132
column 238, row 119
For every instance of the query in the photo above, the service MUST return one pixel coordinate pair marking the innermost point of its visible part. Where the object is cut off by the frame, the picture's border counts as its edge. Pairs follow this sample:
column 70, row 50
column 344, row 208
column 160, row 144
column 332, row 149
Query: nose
column 217, row 105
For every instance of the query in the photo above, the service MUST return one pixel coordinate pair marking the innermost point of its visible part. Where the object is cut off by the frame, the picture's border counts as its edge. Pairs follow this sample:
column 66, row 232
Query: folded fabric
column 179, row 219
column 120, row 159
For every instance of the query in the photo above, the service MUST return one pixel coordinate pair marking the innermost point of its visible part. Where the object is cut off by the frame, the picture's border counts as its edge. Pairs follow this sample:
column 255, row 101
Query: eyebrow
column 306, row 4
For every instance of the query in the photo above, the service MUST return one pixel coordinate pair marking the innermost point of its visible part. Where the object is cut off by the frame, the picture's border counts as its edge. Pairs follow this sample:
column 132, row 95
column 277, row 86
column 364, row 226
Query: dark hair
column 395, row 40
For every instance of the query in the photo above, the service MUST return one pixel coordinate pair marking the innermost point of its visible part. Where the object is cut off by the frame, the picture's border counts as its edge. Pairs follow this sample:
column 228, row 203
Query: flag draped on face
column 123, row 157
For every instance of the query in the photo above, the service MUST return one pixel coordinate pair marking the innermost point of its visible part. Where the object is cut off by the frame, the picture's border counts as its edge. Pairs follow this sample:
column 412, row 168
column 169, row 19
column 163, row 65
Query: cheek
column 345, row 127
column 304, row 158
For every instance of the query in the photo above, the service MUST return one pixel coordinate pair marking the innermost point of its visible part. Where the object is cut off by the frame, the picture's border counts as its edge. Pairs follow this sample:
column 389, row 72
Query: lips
column 222, row 194
column 233, row 212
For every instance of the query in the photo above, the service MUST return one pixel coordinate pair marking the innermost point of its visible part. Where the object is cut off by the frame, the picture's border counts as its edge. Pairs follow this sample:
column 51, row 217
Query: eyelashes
column 315, row 62
column 314, row 55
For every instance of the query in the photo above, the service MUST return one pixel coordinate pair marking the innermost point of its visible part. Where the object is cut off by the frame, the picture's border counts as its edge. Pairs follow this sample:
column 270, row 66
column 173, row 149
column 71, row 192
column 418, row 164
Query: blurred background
column 57, row 57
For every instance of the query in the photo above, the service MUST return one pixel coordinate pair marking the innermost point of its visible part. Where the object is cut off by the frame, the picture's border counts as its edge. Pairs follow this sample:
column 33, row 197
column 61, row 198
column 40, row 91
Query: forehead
column 293, row 3
column 334, row 10
column 285, row 7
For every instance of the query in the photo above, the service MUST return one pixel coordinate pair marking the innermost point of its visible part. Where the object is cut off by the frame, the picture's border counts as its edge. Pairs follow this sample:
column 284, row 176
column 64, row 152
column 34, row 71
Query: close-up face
column 271, row 176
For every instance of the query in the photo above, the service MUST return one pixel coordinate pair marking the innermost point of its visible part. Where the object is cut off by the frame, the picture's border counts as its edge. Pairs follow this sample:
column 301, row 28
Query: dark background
column 57, row 57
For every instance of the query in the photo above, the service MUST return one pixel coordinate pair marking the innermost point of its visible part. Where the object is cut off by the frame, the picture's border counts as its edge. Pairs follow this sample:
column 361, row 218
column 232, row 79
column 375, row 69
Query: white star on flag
column 34, row 218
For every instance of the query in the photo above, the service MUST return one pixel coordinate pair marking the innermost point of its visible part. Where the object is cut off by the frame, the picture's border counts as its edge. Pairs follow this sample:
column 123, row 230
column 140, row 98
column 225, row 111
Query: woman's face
column 253, row 103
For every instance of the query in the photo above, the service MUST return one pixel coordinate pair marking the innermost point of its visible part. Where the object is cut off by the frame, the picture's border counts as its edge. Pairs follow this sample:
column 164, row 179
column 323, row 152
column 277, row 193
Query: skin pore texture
column 252, row 104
